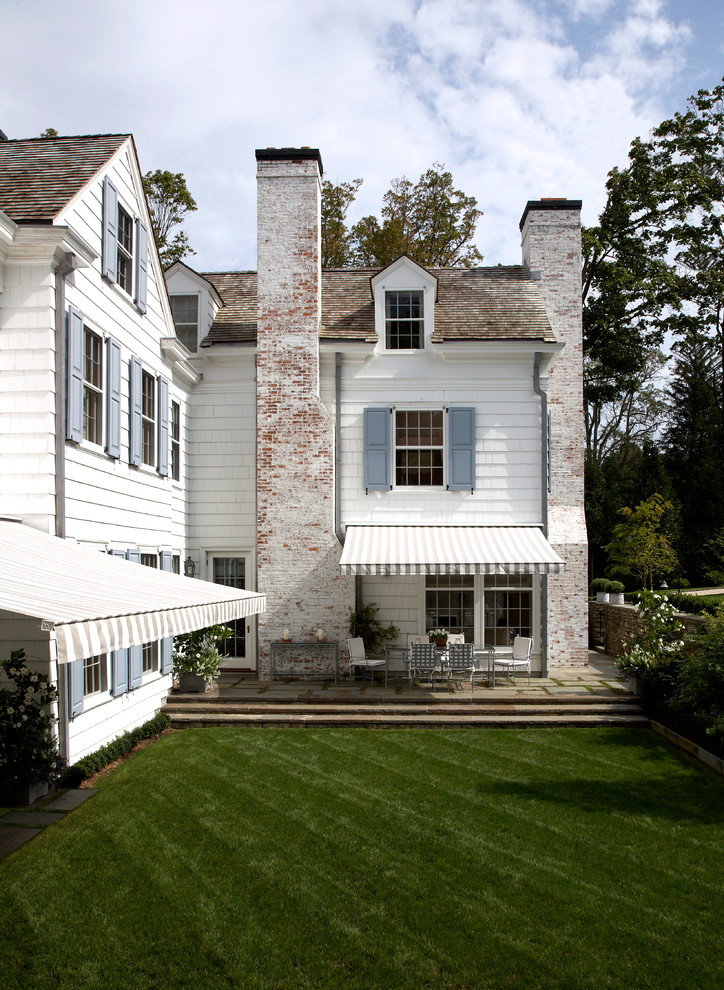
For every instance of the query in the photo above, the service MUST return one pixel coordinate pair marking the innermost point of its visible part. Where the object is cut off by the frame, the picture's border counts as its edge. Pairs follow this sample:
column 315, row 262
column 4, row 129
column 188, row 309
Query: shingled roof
column 502, row 303
column 38, row 176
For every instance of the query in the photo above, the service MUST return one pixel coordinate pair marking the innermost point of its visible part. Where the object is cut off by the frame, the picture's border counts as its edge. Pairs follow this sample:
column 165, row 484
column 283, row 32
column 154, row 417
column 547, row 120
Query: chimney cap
column 290, row 155
column 549, row 203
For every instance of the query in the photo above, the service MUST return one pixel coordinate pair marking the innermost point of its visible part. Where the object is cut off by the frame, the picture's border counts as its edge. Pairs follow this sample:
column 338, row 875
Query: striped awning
column 93, row 603
column 448, row 550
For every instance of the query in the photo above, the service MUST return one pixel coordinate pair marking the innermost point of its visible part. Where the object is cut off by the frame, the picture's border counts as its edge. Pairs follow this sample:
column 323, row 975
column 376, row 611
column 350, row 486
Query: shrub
column 600, row 584
column 28, row 751
column 197, row 652
column 114, row 750
column 660, row 640
column 616, row 587
column 695, row 604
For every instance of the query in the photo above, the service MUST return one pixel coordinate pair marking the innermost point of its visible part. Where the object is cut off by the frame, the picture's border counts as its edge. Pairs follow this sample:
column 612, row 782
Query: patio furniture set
column 424, row 660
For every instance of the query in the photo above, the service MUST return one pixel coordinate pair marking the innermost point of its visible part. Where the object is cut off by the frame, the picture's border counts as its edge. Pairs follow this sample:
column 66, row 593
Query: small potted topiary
column 615, row 593
column 600, row 587
column 196, row 658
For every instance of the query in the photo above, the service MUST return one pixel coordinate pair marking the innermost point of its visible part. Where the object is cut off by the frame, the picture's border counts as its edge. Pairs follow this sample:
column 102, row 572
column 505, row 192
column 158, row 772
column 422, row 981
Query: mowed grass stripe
column 226, row 857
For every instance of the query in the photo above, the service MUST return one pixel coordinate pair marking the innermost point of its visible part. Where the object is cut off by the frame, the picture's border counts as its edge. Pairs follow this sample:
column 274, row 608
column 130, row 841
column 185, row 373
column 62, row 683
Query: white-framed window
column 148, row 419
column 125, row 251
column 175, row 441
column 450, row 604
column 150, row 657
column 95, row 676
column 185, row 311
column 507, row 608
column 404, row 319
column 92, row 386
column 419, row 448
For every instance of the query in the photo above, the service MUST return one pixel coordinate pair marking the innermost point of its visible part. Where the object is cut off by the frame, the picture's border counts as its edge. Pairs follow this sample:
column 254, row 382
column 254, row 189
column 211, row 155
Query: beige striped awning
column 93, row 603
column 448, row 550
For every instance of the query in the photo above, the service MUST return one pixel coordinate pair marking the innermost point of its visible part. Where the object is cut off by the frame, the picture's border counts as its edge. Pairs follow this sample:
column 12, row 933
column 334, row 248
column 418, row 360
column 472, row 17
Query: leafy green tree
column 169, row 201
column 336, row 238
column 639, row 546
column 49, row 132
column 429, row 220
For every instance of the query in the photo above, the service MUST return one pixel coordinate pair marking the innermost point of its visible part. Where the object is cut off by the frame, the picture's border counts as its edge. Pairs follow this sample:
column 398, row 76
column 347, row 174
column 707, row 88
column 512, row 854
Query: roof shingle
column 39, row 176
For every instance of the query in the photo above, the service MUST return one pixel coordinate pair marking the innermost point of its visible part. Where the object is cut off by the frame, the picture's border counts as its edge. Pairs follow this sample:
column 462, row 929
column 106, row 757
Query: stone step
column 324, row 701
column 383, row 720
column 454, row 708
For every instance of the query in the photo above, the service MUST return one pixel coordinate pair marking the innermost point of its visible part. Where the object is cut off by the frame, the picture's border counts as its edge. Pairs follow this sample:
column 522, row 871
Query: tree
column 430, row 221
column 169, row 201
column 639, row 547
column 336, row 238
column 49, row 132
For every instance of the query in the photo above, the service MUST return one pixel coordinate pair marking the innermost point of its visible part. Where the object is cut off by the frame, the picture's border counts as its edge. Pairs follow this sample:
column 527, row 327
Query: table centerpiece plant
column 438, row 637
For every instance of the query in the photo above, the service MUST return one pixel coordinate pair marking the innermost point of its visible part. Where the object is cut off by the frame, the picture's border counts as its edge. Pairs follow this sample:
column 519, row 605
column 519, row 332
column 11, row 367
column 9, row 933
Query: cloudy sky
column 518, row 98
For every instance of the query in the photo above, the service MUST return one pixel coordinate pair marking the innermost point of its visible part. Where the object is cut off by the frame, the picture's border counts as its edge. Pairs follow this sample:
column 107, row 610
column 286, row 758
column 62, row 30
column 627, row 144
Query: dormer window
column 404, row 320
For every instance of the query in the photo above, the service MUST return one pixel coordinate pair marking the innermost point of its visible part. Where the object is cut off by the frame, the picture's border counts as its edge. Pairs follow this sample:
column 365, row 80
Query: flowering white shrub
column 661, row 637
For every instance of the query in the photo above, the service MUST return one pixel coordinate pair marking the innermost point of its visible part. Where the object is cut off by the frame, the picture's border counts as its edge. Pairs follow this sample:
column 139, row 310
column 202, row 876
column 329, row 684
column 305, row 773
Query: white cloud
column 519, row 98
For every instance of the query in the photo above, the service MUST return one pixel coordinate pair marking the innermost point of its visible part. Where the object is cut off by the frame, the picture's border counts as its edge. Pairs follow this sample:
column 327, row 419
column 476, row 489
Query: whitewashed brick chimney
column 551, row 240
column 297, row 550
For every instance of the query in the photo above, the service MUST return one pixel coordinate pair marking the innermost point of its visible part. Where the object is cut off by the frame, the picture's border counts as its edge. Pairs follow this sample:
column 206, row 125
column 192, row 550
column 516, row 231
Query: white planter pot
column 616, row 598
column 601, row 596
column 193, row 683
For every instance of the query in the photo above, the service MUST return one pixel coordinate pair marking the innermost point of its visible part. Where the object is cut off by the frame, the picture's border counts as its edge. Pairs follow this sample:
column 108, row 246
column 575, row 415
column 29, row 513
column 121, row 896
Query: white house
column 94, row 405
column 408, row 437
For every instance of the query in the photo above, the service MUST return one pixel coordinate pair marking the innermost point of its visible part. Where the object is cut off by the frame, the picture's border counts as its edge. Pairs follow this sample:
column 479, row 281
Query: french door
column 239, row 650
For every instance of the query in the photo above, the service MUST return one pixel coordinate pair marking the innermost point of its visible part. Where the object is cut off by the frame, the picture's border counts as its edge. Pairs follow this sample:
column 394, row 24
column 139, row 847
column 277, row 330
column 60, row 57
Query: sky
column 519, row 99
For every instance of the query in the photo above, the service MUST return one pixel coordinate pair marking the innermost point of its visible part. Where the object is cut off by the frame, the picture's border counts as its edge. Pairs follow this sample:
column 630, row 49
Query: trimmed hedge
column 695, row 604
column 114, row 750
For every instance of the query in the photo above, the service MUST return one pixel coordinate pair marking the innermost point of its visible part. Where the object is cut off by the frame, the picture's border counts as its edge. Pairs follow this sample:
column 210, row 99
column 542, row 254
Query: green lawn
column 444, row 859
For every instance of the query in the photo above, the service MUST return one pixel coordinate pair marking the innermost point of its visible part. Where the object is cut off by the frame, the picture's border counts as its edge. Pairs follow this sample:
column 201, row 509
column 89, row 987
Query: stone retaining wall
column 613, row 626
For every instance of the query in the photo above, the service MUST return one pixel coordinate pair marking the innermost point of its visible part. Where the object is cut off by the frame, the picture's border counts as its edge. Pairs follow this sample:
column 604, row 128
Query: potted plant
column 196, row 657
column 600, row 587
column 364, row 622
column 615, row 592
column 438, row 637
column 29, row 758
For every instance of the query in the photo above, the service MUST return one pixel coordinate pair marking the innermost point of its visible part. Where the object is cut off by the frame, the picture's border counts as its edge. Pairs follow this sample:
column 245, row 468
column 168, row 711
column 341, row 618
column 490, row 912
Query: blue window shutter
column 119, row 672
column 141, row 265
column 75, row 677
column 110, row 230
column 113, row 409
column 377, row 449
column 461, row 448
column 134, row 556
column 74, row 374
column 163, row 426
column 135, row 666
column 135, row 441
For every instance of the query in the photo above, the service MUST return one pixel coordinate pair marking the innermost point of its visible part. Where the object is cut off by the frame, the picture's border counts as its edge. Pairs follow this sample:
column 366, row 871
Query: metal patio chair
column 460, row 661
column 520, row 658
column 358, row 658
column 422, row 662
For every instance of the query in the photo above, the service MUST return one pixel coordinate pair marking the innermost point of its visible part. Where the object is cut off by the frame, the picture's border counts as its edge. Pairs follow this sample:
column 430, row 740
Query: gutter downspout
column 544, row 506
column 338, row 532
column 66, row 267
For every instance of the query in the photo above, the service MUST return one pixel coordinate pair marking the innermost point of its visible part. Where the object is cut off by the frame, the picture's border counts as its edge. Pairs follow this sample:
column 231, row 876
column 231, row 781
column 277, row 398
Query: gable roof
column 39, row 176
column 501, row 303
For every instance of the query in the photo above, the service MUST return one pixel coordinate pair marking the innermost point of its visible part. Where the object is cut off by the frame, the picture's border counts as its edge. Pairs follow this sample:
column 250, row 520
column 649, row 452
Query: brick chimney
column 297, row 550
column 551, row 242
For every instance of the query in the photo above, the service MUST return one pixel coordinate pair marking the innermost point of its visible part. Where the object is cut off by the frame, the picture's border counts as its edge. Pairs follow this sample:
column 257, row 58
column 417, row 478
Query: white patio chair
column 455, row 638
column 460, row 661
column 358, row 658
column 520, row 658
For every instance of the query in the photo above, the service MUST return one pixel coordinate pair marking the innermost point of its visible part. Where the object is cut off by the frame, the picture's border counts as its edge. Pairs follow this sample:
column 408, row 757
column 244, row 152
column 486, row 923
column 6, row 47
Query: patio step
column 497, row 713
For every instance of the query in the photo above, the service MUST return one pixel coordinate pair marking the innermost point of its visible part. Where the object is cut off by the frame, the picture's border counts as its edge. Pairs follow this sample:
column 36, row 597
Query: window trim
column 432, row 449
column 93, row 390
column 419, row 320
column 175, row 438
column 186, row 324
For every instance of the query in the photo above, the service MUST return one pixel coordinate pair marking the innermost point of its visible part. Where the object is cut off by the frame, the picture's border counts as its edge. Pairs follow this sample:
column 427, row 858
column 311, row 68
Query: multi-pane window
column 450, row 604
column 176, row 563
column 95, row 675
column 186, row 317
column 148, row 419
column 92, row 387
column 150, row 657
column 230, row 571
column 125, row 251
column 508, row 608
column 175, row 441
column 404, row 324
column 419, row 443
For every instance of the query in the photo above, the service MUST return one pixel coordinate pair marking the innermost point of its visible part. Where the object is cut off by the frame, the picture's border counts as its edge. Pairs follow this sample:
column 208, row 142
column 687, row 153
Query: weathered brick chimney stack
column 551, row 237
column 297, row 550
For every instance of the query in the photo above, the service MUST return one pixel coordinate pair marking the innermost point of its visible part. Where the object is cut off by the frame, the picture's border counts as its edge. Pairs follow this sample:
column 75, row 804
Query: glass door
column 239, row 650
